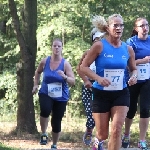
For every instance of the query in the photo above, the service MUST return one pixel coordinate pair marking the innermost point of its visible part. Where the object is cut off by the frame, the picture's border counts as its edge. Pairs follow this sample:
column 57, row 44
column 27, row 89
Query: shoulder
column 131, row 39
column 66, row 62
column 43, row 61
column 130, row 50
column 67, row 65
column 97, row 46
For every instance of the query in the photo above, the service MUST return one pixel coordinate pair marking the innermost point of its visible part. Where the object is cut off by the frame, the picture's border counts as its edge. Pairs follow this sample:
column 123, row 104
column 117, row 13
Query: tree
column 25, row 68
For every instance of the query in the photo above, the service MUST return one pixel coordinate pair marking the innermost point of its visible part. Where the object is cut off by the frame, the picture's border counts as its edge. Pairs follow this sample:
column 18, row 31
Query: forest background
column 69, row 20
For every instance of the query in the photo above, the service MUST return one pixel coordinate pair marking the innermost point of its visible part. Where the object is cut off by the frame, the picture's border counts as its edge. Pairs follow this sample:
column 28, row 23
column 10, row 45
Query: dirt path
column 28, row 141
column 31, row 142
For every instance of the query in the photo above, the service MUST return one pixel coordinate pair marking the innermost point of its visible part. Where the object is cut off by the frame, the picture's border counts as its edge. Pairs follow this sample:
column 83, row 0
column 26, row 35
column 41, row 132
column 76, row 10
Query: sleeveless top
column 141, row 49
column 111, row 64
column 53, row 84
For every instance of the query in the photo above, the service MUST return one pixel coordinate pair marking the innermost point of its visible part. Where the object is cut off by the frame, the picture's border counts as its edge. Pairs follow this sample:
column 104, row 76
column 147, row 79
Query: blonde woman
column 110, row 92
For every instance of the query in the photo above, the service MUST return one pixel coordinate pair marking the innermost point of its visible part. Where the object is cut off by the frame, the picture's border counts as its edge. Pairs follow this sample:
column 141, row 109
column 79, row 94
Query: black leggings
column 142, row 89
column 87, row 102
column 48, row 105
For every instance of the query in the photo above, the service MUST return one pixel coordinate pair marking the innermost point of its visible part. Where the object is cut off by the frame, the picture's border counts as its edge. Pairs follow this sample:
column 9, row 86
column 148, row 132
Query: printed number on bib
column 115, row 76
column 55, row 89
column 143, row 71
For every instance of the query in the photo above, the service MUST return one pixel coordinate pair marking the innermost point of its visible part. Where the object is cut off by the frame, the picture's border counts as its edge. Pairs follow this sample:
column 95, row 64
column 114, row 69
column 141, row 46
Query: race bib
column 115, row 76
column 93, row 67
column 143, row 71
column 55, row 89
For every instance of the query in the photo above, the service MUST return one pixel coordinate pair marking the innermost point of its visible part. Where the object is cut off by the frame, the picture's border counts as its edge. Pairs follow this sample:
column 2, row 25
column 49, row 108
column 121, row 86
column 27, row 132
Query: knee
column 116, row 131
column 56, row 129
column 44, row 114
column 101, row 135
column 144, row 113
column 131, row 114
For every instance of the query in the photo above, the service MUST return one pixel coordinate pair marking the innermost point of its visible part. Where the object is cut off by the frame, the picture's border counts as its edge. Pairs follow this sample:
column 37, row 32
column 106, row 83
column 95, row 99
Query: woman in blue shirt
column 110, row 92
column 54, row 91
column 140, row 42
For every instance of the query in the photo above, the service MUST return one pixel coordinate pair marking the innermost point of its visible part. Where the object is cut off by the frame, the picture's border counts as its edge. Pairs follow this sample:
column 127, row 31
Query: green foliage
column 69, row 20
column 8, row 88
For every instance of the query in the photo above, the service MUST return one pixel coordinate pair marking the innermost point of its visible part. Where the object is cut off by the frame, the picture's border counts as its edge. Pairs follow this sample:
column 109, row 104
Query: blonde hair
column 100, row 23
column 110, row 18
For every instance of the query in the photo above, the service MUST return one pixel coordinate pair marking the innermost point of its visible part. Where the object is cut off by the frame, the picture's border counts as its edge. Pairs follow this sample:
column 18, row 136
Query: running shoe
column 87, row 138
column 53, row 147
column 98, row 145
column 126, row 141
column 44, row 139
column 142, row 145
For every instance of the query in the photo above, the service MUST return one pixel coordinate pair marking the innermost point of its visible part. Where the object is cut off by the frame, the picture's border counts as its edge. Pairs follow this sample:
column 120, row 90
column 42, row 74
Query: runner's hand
column 103, row 82
column 132, row 80
column 61, row 73
column 35, row 89
column 87, row 84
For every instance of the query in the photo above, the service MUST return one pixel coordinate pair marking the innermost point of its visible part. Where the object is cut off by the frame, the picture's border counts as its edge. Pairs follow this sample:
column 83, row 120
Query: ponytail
column 134, row 32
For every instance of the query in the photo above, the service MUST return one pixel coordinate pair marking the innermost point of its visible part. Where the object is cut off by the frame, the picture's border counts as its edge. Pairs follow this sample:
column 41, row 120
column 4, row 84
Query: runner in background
column 54, row 91
column 87, row 91
column 140, row 42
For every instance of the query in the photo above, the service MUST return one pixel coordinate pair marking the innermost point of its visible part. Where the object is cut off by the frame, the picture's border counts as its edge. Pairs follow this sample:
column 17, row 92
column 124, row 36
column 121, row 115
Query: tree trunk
column 3, row 26
column 26, row 66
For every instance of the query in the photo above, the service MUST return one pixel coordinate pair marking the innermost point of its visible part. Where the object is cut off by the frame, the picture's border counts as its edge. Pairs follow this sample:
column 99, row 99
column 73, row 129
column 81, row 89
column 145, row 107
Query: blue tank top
column 141, row 49
column 111, row 58
column 53, row 84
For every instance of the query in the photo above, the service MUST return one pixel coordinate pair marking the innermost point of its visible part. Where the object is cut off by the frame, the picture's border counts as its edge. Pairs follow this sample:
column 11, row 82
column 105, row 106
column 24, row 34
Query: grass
column 3, row 147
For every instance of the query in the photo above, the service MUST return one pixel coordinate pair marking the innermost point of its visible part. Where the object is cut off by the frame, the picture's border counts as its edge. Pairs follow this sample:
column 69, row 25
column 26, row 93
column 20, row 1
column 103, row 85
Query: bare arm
column 92, row 54
column 85, row 79
column 67, row 74
column 132, row 67
column 80, row 73
column 37, row 75
column 143, row 61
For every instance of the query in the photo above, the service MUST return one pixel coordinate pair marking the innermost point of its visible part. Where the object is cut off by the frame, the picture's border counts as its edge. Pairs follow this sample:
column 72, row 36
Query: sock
column 89, row 130
column 54, row 146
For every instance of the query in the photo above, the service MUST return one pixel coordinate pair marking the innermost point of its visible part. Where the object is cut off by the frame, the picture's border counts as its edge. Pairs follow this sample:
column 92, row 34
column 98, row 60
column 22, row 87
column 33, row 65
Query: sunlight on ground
column 71, row 137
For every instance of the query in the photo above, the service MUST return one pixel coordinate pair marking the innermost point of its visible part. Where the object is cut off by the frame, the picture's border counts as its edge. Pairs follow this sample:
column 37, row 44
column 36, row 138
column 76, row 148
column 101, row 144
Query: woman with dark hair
column 87, row 91
column 54, row 91
column 140, row 42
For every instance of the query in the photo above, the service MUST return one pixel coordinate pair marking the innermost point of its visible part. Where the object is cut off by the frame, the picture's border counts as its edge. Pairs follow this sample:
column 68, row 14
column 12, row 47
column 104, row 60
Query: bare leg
column 102, row 125
column 55, row 137
column 44, row 124
column 128, row 123
column 118, row 114
column 143, row 125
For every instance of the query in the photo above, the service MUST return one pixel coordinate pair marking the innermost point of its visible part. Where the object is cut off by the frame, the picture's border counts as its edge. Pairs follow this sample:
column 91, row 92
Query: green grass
column 3, row 147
